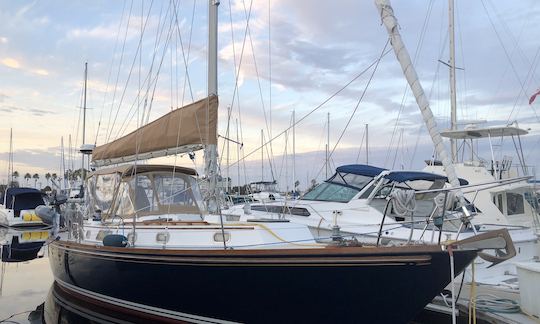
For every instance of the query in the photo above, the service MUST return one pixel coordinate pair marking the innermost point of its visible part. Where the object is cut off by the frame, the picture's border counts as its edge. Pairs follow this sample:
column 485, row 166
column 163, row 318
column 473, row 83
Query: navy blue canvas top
column 398, row 176
column 361, row 169
column 27, row 203
column 402, row 176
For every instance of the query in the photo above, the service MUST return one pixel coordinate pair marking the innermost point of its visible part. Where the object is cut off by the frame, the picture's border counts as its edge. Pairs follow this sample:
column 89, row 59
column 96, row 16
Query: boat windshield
column 329, row 191
column 351, row 179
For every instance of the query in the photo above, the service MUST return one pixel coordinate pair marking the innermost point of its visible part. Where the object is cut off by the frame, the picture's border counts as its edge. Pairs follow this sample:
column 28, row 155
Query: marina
column 171, row 200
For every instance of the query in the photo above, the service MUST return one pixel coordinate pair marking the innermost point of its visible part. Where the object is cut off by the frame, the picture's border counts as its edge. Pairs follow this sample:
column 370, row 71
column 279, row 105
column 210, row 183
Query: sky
column 291, row 56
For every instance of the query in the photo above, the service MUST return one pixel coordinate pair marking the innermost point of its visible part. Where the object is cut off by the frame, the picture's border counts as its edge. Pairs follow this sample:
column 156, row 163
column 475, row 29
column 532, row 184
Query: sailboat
column 152, row 243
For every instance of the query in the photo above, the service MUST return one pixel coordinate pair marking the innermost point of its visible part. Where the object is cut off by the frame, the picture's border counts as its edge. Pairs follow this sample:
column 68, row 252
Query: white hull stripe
column 141, row 307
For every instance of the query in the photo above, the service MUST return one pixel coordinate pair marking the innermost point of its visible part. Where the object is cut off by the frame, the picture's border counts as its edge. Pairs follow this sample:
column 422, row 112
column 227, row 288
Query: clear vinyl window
column 173, row 190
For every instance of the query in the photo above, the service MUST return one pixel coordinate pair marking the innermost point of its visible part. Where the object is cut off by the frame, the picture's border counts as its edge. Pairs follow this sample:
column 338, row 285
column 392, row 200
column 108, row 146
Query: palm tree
column 75, row 174
column 47, row 177
column 78, row 174
column 36, row 178
column 27, row 176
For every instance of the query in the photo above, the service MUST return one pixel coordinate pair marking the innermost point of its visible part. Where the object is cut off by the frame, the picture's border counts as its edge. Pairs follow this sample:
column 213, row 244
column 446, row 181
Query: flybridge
column 473, row 133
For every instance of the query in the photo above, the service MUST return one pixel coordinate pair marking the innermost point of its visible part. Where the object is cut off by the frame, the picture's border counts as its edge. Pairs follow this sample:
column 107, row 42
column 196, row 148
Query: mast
column 294, row 150
column 83, row 171
column 10, row 159
column 367, row 144
column 86, row 149
column 327, row 143
column 228, row 148
column 390, row 22
column 238, row 147
column 63, row 164
column 452, row 62
column 262, row 155
column 210, row 150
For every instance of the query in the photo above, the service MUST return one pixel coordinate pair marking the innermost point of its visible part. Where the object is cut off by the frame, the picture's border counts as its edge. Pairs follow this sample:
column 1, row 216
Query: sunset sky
column 294, row 56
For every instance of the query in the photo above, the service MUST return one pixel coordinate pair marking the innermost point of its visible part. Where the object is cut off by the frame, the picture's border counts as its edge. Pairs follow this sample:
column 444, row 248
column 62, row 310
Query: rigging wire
column 361, row 146
column 154, row 82
column 432, row 89
column 110, row 71
column 463, row 98
column 167, row 40
column 516, row 48
column 236, row 94
column 267, row 123
column 132, row 111
column 159, row 34
column 270, row 65
column 188, row 54
column 137, row 52
column 80, row 113
column 383, row 52
column 109, row 128
column 234, row 64
column 319, row 156
column 332, row 96
column 187, row 78
column 522, row 85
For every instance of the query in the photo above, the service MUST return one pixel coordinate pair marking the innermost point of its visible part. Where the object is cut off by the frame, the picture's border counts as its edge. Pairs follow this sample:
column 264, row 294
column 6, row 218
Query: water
column 25, row 275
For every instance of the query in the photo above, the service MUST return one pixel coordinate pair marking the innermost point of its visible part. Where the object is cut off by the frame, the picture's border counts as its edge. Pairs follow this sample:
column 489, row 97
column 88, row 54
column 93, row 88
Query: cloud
column 110, row 31
column 24, row 9
column 32, row 111
column 40, row 72
column 96, row 85
column 11, row 62
column 99, row 32
column 3, row 40
column 15, row 64
column 43, row 21
column 41, row 161
column 3, row 97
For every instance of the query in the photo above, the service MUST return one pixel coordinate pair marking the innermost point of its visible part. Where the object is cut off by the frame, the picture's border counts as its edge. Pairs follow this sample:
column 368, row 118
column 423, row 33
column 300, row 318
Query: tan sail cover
column 185, row 126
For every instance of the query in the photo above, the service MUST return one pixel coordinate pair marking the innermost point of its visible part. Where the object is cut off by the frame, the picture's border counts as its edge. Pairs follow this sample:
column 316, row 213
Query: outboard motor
column 50, row 217
column 47, row 214
column 59, row 199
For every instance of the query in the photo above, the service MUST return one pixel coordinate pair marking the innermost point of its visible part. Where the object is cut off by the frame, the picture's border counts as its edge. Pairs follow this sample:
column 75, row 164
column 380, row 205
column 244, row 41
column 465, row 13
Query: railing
column 440, row 212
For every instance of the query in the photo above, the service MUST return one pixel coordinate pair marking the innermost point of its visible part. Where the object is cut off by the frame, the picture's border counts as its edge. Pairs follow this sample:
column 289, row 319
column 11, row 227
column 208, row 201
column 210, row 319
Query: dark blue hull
column 333, row 285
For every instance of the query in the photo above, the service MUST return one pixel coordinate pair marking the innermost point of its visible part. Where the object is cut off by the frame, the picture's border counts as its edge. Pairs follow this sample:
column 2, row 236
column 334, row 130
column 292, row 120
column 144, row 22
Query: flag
column 534, row 96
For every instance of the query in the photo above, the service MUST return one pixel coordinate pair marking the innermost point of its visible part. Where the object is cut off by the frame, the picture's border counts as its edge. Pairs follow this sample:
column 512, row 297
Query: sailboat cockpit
column 145, row 192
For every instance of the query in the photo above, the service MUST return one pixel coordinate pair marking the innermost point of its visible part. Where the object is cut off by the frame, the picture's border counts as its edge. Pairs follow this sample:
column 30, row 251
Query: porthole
column 218, row 237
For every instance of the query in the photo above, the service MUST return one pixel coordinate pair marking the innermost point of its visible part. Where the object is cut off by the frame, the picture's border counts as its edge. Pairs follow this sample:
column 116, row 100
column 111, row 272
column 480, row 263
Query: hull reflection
column 65, row 306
